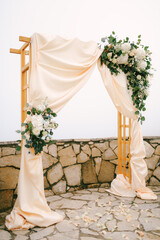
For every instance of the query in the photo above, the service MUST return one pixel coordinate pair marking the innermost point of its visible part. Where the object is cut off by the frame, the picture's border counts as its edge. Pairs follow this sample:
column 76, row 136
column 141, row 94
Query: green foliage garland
column 134, row 60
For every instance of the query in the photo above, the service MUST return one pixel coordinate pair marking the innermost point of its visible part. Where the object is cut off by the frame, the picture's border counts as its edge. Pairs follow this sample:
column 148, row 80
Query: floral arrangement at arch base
column 37, row 130
column 134, row 60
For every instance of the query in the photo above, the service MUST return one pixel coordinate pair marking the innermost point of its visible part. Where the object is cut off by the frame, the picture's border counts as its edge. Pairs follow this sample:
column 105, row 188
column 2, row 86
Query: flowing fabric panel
column 31, row 207
column 117, row 89
column 60, row 68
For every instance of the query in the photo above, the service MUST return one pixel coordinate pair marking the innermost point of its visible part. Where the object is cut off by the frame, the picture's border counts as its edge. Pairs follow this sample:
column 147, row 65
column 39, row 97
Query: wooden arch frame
column 124, row 139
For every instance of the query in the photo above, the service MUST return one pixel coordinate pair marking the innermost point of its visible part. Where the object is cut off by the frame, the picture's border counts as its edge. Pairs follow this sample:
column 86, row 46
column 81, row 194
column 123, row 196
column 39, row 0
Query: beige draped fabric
column 31, row 208
column 60, row 68
column 117, row 89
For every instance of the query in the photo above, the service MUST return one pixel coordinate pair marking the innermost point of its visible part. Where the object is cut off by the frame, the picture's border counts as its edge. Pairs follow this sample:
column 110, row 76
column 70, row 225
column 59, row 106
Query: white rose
column 41, row 107
column 142, row 64
column 36, row 131
column 44, row 133
column 37, row 121
column 123, row 59
column 118, row 47
column 140, row 53
column 125, row 47
column 132, row 52
column 109, row 55
column 139, row 77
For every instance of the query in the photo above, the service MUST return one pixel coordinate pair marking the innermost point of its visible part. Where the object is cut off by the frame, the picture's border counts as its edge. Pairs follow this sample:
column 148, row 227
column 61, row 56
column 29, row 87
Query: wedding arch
column 122, row 122
column 58, row 68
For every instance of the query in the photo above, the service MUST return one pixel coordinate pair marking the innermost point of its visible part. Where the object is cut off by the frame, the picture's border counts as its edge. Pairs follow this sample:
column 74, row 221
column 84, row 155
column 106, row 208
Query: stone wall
column 73, row 164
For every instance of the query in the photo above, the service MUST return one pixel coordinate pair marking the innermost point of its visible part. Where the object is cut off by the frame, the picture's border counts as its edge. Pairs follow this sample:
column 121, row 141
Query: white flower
column 141, row 82
column 142, row 64
column 37, row 121
column 139, row 77
column 36, row 131
column 109, row 55
column 125, row 47
column 41, row 107
column 46, row 124
column 123, row 59
column 131, row 53
column 118, row 47
column 114, row 60
column 140, row 53
column 44, row 133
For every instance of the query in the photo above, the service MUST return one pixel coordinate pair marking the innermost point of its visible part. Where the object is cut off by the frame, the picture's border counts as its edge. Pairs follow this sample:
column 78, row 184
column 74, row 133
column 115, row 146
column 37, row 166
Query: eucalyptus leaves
column 134, row 60
column 38, row 127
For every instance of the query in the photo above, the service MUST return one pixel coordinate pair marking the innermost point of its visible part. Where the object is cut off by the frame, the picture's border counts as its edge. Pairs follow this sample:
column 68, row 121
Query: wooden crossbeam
column 18, row 51
column 126, row 126
column 25, row 45
column 25, row 68
column 13, row 50
column 24, row 39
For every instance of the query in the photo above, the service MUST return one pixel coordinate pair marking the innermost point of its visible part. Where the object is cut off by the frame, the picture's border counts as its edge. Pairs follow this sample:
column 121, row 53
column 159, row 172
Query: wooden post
column 24, row 68
column 23, row 82
column 124, row 146
column 119, row 143
column 129, row 150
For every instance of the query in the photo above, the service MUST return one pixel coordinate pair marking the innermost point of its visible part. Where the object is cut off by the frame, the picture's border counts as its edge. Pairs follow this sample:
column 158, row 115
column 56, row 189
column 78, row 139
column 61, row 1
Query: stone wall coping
column 8, row 143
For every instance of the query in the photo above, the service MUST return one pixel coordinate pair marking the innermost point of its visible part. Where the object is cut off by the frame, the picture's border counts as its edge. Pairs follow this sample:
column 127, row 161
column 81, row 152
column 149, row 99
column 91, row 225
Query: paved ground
column 95, row 214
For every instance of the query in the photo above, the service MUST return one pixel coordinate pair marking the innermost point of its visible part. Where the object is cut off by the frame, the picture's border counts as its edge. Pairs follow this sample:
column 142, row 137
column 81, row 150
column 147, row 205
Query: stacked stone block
column 73, row 164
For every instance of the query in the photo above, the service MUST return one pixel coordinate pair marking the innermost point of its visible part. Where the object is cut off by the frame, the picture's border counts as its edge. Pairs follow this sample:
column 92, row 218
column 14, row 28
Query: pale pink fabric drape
column 31, row 208
column 117, row 89
column 60, row 67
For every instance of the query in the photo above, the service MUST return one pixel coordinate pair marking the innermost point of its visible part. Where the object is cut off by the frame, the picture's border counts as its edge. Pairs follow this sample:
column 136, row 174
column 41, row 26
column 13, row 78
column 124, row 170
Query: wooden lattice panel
column 124, row 141
column 24, row 51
